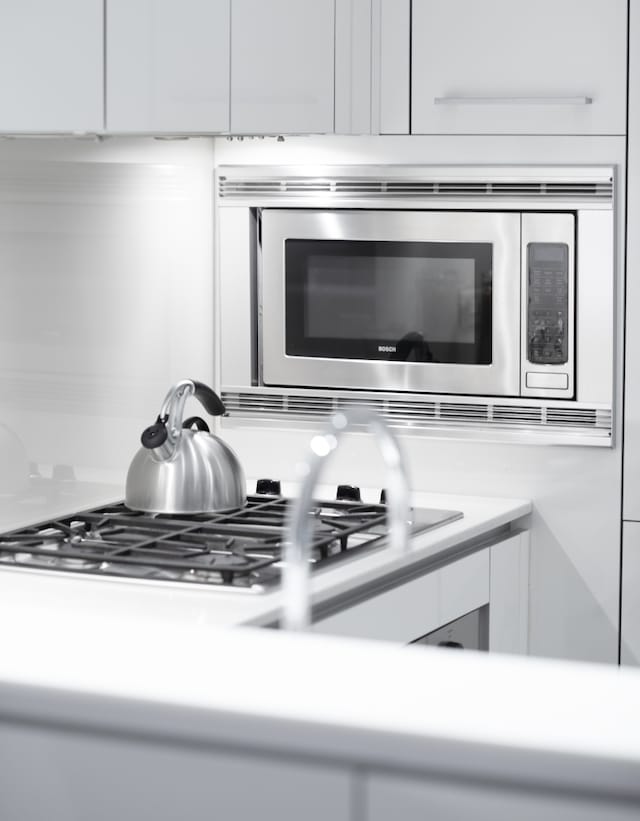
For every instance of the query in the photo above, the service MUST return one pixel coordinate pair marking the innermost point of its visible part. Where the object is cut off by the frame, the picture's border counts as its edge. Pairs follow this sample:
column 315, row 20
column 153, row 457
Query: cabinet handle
column 513, row 100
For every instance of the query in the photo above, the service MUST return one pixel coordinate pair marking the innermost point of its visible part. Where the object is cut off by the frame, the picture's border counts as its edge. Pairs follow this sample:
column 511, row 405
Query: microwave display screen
column 405, row 301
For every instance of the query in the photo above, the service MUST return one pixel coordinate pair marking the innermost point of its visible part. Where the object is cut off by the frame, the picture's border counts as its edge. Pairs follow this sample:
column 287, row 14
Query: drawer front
column 417, row 800
column 505, row 67
column 419, row 606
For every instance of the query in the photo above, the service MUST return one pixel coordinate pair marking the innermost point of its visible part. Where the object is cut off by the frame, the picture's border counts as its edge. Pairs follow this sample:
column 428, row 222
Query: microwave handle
column 513, row 100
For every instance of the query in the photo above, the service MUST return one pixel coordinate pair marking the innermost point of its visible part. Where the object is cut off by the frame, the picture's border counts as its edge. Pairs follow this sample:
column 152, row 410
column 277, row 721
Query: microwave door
column 395, row 301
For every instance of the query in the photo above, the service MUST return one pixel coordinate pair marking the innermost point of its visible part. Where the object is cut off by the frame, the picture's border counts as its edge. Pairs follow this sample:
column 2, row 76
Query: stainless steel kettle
column 182, row 470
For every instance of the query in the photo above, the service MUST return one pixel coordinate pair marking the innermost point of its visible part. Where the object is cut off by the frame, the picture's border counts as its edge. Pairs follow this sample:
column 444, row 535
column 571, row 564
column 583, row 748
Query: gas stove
column 238, row 549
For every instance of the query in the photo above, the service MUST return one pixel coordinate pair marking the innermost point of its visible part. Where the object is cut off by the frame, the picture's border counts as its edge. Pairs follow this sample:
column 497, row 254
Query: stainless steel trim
column 502, row 377
column 393, row 186
column 577, row 100
column 546, row 422
column 587, row 191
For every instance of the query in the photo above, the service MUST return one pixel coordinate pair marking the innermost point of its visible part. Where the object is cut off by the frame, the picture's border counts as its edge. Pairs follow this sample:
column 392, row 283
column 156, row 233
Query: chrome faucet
column 295, row 574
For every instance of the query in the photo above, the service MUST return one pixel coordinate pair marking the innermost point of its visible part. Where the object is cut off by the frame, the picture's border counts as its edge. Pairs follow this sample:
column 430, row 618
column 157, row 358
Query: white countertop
column 341, row 700
column 123, row 600
column 151, row 658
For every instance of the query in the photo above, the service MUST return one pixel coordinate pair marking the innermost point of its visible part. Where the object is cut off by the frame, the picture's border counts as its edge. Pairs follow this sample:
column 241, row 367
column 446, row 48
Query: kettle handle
column 197, row 422
column 209, row 398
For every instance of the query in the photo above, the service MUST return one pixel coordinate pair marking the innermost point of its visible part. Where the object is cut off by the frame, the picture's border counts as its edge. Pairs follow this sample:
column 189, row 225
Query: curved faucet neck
column 295, row 578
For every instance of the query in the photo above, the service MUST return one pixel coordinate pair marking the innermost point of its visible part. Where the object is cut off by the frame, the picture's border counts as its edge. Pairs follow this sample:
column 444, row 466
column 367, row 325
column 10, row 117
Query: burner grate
column 241, row 547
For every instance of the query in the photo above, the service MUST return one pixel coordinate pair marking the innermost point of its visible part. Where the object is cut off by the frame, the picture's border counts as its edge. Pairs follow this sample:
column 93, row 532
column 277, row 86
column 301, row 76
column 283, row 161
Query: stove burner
column 240, row 548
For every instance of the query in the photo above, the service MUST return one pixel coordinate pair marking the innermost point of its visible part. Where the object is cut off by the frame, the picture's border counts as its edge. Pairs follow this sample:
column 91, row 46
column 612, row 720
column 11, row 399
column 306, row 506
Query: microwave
column 464, row 302
column 470, row 297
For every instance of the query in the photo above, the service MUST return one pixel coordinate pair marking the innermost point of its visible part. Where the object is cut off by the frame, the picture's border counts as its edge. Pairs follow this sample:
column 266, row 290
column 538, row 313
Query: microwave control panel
column 548, row 303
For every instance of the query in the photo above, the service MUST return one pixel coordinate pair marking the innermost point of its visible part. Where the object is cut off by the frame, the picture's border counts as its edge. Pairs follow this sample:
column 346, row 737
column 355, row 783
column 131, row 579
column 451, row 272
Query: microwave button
column 548, row 381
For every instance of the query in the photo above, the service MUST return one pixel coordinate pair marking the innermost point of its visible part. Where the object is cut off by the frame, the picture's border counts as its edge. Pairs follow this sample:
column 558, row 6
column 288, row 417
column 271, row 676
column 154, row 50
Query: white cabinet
column 102, row 776
column 630, row 612
column 437, row 799
column 167, row 66
column 51, row 66
column 237, row 66
column 282, row 66
column 515, row 67
column 631, row 500
column 414, row 608
column 496, row 575
column 391, row 66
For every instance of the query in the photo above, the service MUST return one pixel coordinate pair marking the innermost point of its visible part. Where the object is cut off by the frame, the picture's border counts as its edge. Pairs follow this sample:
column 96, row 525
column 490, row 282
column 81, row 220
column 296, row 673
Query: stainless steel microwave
column 467, row 298
column 465, row 302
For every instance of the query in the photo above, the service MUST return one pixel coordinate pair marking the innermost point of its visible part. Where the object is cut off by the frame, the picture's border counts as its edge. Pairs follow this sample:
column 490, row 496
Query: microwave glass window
column 411, row 301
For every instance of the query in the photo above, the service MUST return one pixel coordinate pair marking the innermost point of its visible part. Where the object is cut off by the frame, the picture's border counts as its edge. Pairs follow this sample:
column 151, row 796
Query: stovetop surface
column 237, row 549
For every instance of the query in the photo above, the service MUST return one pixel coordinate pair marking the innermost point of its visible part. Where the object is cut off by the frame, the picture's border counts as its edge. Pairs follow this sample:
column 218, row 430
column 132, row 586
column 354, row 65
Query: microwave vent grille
column 373, row 188
column 581, row 417
column 415, row 413
column 463, row 413
column 508, row 415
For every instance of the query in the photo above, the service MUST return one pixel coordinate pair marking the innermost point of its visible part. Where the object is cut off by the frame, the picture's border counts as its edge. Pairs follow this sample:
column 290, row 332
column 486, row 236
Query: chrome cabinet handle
column 513, row 100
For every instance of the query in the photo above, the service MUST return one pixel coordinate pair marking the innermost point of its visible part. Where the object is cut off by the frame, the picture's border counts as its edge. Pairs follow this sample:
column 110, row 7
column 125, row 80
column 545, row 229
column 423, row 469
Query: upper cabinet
column 51, row 59
column 238, row 66
column 313, row 66
column 282, row 66
column 505, row 67
column 167, row 66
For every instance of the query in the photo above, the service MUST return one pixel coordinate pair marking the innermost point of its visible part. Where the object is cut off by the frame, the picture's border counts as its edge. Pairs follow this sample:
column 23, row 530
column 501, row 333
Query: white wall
column 575, row 557
column 106, row 260
column 106, row 266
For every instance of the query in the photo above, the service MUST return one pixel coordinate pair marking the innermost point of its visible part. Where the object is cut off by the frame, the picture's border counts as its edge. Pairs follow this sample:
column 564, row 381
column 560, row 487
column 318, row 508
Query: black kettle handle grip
column 196, row 421
column 211, row 401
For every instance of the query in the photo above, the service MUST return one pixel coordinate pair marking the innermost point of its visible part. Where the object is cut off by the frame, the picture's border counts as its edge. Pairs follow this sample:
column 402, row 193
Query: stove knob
column 383, row 497
column 348, row 493
column 268, row 487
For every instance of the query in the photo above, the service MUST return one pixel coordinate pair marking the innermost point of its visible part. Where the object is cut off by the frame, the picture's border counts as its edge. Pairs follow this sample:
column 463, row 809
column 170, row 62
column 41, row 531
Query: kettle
column 182, row 467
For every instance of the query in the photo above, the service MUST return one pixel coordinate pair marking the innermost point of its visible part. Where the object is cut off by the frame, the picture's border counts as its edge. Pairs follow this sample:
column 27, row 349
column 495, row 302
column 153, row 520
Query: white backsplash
column 106, row 265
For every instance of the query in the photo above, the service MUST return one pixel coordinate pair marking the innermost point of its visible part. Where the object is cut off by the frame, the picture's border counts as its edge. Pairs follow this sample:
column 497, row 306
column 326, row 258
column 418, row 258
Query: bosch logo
column 387, row 348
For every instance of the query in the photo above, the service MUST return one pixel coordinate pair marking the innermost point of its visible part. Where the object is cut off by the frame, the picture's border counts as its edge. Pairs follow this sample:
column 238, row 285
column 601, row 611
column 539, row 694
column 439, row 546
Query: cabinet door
column 104, row 777
column 168, row 66
column 282, row 66
column 391, row 69
column 509, row 580
column 410, row 799
column 417, row 607
column 51, row 66
column 630, row 616
column 515, row 67
column 631, row 454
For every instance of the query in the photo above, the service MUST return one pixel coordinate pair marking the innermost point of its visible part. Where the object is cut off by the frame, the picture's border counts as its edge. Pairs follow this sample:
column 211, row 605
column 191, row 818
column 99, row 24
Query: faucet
column 297, row 549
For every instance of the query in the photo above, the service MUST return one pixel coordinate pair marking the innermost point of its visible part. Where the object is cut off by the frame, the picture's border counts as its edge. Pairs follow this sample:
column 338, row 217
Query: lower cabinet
column 409, row 799
column 630, row 613
column 411, row 609
column 494, row 580
column 49, row 774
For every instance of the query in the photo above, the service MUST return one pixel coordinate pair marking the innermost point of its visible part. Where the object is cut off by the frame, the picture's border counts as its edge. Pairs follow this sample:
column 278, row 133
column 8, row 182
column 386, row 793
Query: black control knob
column 268, row 487
column 348, row 493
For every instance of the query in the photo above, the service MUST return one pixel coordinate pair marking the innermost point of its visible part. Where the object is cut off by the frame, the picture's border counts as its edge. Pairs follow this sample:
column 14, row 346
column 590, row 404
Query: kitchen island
column 103, row 720
column 448, row 571
column 127, row 699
